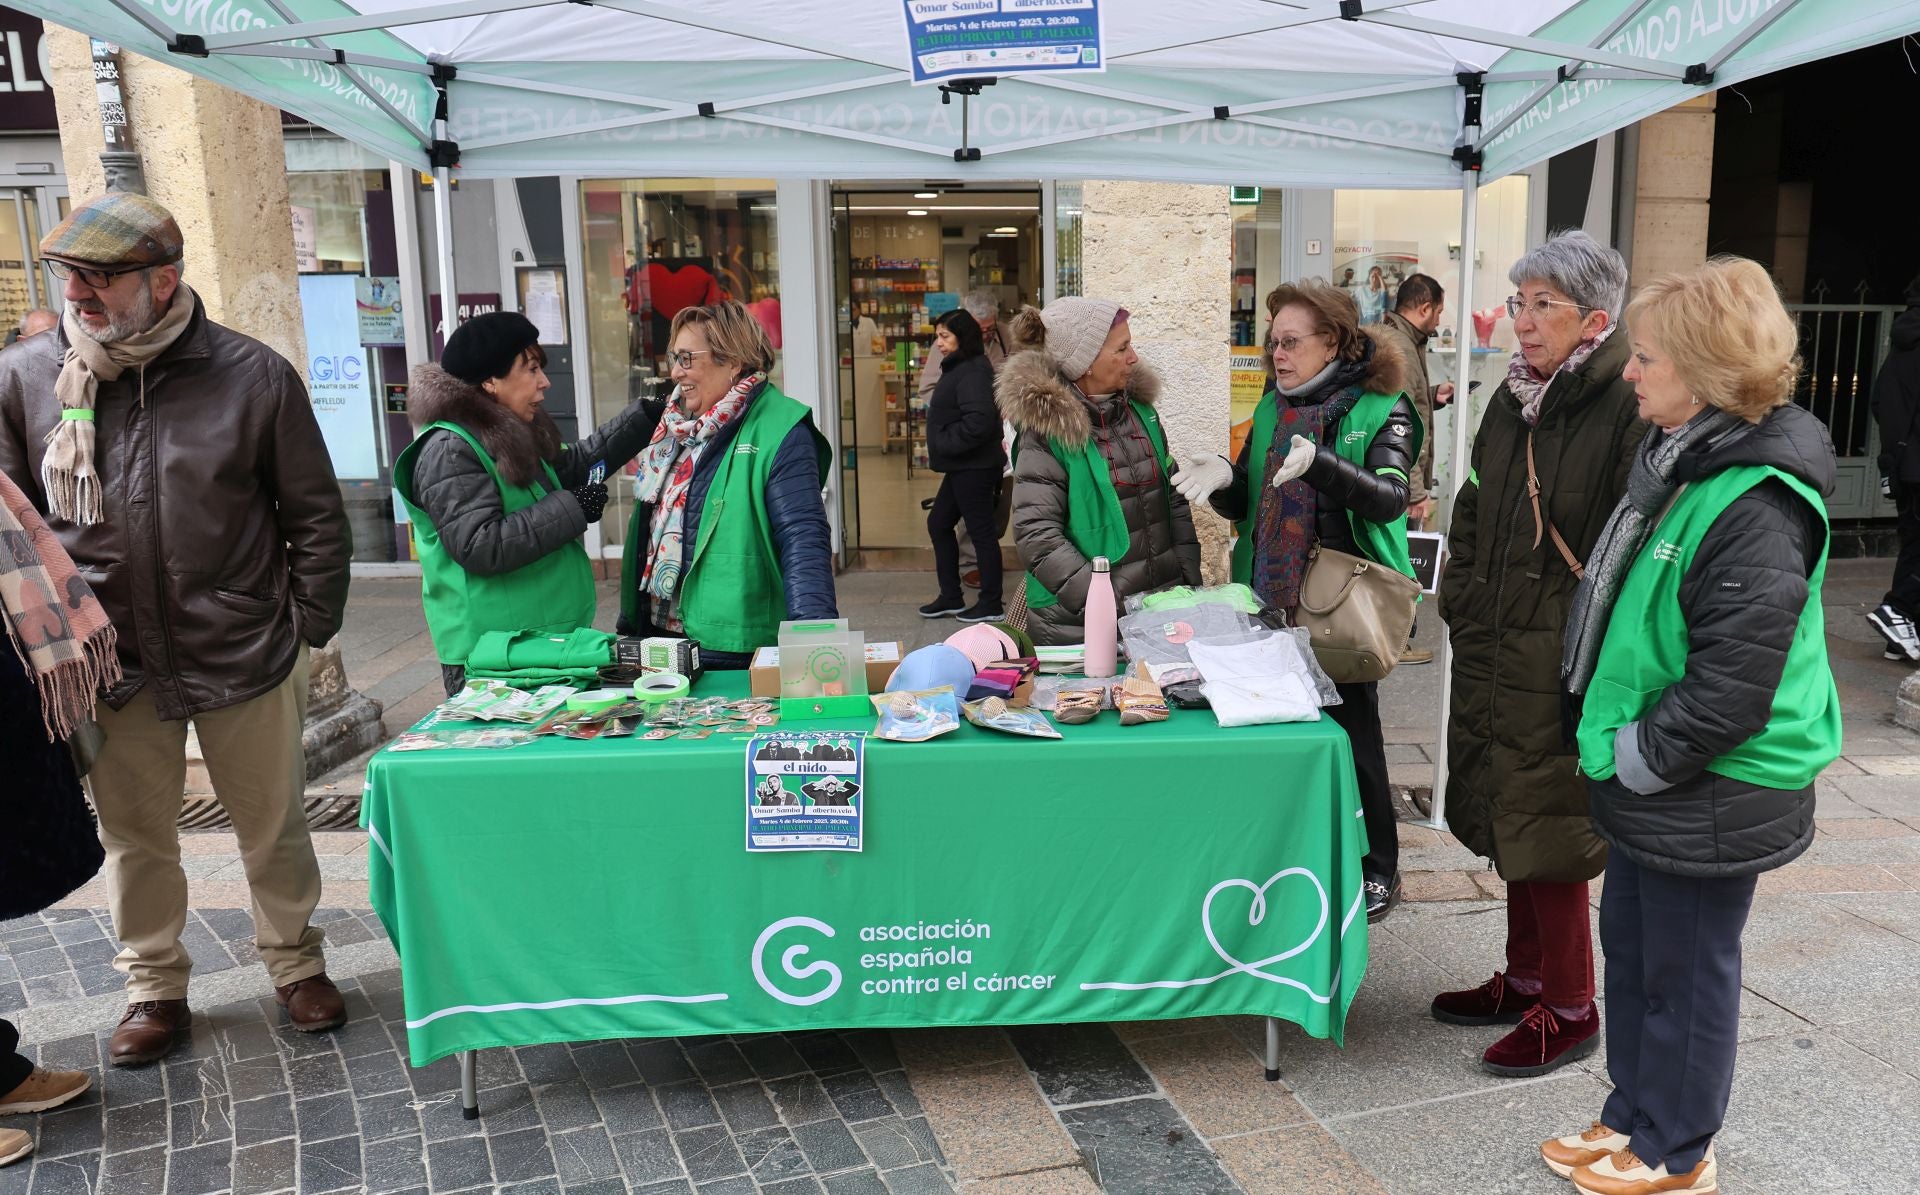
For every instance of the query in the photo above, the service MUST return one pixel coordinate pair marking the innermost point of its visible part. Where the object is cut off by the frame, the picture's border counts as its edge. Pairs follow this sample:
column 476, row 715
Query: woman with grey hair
column 1549, row 464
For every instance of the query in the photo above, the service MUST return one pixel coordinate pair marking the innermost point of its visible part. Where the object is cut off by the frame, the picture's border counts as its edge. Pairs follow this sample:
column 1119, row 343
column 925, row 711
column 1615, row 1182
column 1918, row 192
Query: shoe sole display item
column 1572, row 1054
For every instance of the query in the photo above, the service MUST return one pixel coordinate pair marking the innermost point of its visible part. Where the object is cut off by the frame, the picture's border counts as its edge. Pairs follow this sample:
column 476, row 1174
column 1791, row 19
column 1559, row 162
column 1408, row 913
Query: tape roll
column 656, row 688
column 595, row 700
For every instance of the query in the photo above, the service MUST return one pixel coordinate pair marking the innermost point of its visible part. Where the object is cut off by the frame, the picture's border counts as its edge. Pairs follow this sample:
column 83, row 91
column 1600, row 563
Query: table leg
column 1273, row 1050
column 470, row 1088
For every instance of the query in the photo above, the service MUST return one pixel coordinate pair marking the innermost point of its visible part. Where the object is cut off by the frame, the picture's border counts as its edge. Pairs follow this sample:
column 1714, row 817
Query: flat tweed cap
column 117, row 229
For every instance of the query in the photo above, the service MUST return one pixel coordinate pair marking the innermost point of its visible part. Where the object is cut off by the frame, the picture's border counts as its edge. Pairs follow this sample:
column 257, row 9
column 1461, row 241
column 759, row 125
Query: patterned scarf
column 1285, row 526
column 666, row 476
column 66, row 472
column 53, row 621
column 1531, row 389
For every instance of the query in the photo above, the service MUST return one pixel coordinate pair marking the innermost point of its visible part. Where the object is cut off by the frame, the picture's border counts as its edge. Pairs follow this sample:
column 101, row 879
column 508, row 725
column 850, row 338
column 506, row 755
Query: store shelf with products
column 892, row 293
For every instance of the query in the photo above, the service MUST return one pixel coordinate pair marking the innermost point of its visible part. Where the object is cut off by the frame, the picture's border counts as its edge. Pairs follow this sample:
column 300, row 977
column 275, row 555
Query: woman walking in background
column 963, row 443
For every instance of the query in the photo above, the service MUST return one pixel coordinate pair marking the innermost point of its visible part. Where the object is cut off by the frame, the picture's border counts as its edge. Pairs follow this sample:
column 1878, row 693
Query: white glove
column 1201, row 476
column 1299, row 457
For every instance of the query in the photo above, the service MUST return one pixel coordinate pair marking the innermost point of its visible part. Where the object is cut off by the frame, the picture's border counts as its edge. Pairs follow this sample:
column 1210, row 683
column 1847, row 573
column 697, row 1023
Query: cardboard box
column 764, row 675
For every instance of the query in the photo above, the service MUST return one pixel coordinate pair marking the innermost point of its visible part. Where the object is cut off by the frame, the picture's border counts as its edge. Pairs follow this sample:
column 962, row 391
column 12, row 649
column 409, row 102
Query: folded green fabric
column 527, row 658
column 1237, row 596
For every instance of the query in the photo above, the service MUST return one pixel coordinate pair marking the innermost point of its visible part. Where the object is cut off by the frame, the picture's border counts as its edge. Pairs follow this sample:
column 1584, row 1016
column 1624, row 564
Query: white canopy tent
column 1280, row 93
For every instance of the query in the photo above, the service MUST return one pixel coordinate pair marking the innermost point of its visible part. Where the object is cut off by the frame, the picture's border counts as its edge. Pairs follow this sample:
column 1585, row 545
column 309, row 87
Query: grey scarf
column 1650, row 487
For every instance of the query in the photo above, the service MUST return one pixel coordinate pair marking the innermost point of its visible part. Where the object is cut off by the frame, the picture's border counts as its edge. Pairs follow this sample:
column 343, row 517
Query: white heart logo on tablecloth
column 1257, row 913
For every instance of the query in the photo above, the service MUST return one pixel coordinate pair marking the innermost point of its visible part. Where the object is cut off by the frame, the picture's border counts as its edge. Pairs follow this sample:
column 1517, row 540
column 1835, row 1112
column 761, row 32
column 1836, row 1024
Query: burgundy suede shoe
column 313, row 1004
column 1492, row 1003
column 1543, row 1042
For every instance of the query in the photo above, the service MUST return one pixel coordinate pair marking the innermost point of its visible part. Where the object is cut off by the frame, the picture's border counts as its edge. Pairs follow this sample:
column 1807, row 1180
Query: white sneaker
column 1897, row 629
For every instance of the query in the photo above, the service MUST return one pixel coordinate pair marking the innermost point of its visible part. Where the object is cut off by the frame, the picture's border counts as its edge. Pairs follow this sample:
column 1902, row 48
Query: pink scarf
column 1531, row 389
column 53, row 622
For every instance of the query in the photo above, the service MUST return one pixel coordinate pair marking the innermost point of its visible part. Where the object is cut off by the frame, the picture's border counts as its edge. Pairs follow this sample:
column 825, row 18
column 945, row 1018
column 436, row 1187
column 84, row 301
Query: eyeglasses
column 97, row 279
column 684, row 358
column 1537, row 308
column 1287, row 344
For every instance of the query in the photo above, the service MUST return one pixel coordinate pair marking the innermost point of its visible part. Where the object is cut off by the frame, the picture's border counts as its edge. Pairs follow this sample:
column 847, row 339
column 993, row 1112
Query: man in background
column 34, row 322
column 1896, row 408
column 1415, row 315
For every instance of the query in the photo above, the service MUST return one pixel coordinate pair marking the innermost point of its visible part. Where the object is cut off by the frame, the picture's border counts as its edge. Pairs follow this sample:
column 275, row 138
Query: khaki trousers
column 259, row 772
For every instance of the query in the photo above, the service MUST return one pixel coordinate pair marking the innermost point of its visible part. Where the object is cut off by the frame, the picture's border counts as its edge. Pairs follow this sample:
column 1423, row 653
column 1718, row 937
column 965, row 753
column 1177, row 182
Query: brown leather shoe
column 313, row 1004
column 147, row 1032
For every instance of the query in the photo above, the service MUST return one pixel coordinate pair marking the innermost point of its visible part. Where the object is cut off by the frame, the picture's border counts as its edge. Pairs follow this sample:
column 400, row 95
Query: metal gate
column 1841, row 348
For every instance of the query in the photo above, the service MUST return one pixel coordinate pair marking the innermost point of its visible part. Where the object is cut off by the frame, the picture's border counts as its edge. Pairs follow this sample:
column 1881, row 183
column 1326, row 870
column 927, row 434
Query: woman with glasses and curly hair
column 1549, row 462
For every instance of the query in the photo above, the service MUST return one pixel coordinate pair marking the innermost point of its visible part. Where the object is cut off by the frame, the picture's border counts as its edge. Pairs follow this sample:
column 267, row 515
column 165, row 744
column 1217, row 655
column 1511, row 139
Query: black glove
column 592, row 498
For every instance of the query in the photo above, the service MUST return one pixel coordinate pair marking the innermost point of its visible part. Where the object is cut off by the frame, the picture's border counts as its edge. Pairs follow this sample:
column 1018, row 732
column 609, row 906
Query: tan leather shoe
column 1417, row 655
column 147, row 1032
column 44, row 1089
column 313, row 1004
column 14, row 1145
column 1622, row 1173
column 1562, row 1154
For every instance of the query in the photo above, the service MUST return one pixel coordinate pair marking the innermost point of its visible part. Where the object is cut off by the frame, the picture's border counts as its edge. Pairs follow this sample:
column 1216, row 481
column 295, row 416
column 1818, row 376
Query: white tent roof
column 1272, row 92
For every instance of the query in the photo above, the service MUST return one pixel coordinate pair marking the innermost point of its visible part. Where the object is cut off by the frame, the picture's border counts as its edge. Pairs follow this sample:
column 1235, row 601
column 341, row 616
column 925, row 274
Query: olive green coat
column 1513, row 793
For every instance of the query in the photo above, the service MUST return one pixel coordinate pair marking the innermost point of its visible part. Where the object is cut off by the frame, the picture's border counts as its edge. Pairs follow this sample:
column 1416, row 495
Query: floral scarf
column 666, row 476
column 1530, row 389
column 53, row 622
column 1286, row 521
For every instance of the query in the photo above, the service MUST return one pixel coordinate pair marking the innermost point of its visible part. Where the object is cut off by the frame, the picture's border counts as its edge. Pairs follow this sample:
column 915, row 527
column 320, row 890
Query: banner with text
column 984, row 38
column 337, row 379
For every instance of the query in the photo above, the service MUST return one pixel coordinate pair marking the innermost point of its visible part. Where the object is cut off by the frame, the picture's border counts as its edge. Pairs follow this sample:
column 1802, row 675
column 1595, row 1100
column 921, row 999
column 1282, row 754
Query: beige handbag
column 1358, row 612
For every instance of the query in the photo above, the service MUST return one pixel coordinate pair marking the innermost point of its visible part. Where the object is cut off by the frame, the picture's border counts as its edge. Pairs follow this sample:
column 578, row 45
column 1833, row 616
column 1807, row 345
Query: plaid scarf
column 66, row 472
column 1530, row 389
column 53, row 621
column 666, row 477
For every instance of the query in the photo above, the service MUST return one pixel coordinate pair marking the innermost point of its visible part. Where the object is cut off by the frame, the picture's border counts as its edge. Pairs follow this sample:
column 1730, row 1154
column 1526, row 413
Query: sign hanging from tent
column 1003, row 37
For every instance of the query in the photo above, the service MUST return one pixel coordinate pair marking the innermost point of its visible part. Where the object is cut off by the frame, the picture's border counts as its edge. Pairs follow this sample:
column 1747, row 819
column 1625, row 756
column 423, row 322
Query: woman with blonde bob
column 1697, row 654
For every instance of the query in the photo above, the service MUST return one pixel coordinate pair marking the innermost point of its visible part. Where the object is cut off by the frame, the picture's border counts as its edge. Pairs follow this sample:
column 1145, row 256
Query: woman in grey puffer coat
column 1078, row 396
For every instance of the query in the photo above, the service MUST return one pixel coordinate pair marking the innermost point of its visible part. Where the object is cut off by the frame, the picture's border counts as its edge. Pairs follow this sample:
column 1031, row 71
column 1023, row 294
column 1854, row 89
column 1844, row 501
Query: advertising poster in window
column 1372, row 271
column 377, row 304
column 337, row 379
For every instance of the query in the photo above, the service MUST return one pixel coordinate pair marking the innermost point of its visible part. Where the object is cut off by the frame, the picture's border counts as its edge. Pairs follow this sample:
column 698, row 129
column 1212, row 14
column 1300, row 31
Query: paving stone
column 64, row 1176
column 605, row 1064
column 794, row 1186
column 825, row 1052
column 895, row 1142
column 918, row 1180
column 521, row 1156
column 376, row 1074
column 269, row 1166
column 771, row 1055
column 772, row 1154
column 688, row 1106
column 1300, row 1158
column 387, row 1116
column 142, row 1171
column 507, row 1109
column 899, row 1092
column 1217, row 1084
column 855, row 1182
column 256, row 1077
column 324, row 1117
column 709, row 1153
column 1075, row 1064
column 201, row 1169
column 135, row 1126
column 829, row 1145
column 745, row 1106
column 566, row 1105
column 628, row 1109
column 331, row 1165
column 584, row 1155
column 660, row 1061
column 874, row 1048
column 647, row 1157
column 718, row 1061
column 1144, row 1146
column 63, row 1132
column 1021, row 1133
column 317, row 1074
column 800, row 1099
column 545, row 1064
column 266, row 1119
column 856, row 1096
column 461, row 1162
column 727, row 1186
column 679, row 1186
column 394, row 1164
column 199, row 1121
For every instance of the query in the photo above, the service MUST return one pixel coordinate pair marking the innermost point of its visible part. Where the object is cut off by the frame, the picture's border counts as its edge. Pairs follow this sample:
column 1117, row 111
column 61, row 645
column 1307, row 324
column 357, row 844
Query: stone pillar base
column 1906, row 706
column 342, row 722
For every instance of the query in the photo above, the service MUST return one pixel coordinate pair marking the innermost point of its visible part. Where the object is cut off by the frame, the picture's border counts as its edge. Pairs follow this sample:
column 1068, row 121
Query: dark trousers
column 1905, row 594
column 1673, row 1006
column 1550, row 942
column 14, row 1069
column 969, row 495
column 1359, row 715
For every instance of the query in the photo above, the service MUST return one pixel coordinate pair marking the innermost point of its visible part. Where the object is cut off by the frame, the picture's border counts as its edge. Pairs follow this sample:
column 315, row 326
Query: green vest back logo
column 1666, row 552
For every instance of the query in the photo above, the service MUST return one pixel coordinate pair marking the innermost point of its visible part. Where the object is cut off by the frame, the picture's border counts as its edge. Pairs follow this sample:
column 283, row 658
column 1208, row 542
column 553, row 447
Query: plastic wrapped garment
column 1254, row 683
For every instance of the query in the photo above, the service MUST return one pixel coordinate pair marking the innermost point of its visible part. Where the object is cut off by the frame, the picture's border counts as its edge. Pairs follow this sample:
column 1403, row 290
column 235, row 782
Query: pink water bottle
column 1102, row 623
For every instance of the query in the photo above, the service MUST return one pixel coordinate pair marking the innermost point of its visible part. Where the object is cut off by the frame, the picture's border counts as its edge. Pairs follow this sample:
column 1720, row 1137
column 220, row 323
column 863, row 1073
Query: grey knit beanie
column 1076, row 328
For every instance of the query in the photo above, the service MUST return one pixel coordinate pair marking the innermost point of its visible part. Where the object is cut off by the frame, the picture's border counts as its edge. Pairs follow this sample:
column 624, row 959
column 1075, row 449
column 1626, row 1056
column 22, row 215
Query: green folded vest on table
column 1385, row 543
column 1646, row 646
column 1096, row 522
column 731, row 595
column 554, row 593
column 529, row 659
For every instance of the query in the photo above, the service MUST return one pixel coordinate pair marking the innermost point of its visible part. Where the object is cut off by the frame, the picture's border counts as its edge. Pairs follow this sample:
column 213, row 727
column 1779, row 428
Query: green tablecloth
column 571, row 891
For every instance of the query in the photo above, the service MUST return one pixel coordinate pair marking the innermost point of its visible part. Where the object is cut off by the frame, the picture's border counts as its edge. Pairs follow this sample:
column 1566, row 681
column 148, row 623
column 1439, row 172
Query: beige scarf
column 52, row 619
column 66, row 473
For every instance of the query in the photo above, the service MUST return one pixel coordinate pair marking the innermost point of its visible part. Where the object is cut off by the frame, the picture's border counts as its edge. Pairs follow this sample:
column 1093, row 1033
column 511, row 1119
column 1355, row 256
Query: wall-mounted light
column 926, row 194
column 916, row 211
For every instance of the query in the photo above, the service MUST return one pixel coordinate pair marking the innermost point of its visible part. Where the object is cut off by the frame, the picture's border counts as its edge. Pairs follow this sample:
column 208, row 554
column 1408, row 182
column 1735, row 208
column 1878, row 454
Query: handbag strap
column 1533, row 496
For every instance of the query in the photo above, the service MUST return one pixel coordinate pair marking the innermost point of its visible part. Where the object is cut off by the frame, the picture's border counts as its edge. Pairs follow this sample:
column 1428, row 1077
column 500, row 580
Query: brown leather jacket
column 225, row 543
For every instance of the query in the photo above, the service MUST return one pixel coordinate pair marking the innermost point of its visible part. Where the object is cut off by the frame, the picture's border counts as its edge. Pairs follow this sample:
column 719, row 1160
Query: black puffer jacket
column 1896, row 402
column 1742, row 599
column 1376, row 496
column 50, row 846
column 453, row 487
column 1162, row 546
column 963, row 425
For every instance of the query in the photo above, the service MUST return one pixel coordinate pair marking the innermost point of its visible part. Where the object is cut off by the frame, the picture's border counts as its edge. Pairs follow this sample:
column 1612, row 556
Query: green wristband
column 84, row 414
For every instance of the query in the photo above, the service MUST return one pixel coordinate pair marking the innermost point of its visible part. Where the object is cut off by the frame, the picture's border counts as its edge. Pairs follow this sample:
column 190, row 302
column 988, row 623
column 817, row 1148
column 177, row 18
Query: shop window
column 1066, row 238
column 654, row 247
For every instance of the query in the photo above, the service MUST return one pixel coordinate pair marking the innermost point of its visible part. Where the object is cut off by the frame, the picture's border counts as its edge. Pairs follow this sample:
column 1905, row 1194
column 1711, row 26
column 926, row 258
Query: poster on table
column 805, row 791
column 952, row 38
column 337, row 380
column 377, row 303
column 1372, row 271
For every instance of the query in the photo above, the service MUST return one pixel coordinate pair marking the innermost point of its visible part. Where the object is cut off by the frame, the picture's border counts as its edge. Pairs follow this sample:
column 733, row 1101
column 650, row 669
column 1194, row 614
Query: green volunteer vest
column 554, row 593
column 1645, row 650
column 1096, row 524
column 1385, row 543
column 731, row 596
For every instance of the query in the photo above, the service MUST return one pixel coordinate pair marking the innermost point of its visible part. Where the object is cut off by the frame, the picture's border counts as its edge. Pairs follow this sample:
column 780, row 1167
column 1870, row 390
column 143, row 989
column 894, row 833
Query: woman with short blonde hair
column 1697, row 656
column 734, row 337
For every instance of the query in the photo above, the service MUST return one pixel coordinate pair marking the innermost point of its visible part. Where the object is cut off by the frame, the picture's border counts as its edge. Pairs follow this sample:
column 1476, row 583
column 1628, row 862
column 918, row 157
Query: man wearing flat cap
column 180, row 465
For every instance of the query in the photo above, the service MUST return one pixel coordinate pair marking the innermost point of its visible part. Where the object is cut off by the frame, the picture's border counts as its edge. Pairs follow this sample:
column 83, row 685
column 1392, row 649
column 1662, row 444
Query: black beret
column 486, row 346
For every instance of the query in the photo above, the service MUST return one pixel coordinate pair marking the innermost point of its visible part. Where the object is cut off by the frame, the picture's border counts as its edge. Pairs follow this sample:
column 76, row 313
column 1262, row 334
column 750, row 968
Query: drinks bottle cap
column 1100, row 564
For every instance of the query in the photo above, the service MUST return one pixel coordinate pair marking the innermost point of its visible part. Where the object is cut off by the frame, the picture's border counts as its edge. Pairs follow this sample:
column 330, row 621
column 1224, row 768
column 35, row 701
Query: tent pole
column 443, row 241
column 1457, row 463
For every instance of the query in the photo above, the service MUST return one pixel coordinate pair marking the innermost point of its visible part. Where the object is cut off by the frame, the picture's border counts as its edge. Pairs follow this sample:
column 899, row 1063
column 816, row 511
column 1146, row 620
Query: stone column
column 1164, row 251
column 213, row 158
column 1673, row 184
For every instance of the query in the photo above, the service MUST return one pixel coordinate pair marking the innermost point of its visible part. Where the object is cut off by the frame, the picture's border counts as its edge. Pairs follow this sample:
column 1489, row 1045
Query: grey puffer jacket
column 453, row 488
column 1162, row 548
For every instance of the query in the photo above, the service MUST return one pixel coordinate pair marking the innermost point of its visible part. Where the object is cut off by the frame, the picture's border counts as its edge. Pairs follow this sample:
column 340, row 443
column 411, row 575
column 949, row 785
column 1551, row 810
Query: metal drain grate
column 332, row 812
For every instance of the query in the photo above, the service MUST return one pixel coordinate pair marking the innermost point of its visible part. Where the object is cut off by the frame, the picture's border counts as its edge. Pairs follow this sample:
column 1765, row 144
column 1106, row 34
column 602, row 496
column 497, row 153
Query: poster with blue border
column 948, row 38
column 805, row 791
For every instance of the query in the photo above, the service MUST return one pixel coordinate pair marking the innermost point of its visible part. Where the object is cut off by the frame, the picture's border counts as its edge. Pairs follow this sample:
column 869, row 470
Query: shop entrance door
column 23, row 285
column 902, row 259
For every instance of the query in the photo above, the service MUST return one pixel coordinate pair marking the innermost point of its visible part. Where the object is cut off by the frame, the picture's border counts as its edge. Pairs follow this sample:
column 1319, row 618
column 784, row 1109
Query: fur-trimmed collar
column 1034, row 397
column 435, row 396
